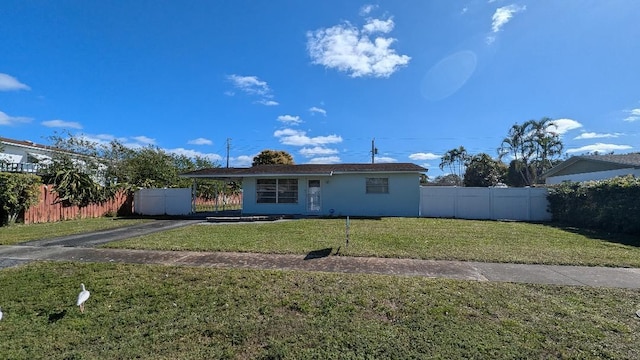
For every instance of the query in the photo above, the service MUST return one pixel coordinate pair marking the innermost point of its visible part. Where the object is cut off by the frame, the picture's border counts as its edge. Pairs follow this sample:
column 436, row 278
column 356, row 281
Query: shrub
column 18, row 192
column 611, row 205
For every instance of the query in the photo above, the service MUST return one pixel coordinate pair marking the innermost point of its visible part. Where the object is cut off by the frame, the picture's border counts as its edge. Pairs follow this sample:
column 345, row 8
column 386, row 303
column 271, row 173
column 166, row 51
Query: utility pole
column 228, row 147
column 374, row 150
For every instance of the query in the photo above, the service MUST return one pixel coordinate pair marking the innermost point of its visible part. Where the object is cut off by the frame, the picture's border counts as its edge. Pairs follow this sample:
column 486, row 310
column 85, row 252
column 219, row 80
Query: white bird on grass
column 0, row 313
column 82, row 297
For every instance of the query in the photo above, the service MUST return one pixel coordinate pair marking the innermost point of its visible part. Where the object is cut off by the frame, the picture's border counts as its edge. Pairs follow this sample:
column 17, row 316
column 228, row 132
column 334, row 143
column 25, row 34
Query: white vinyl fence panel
column 525, row 204
column 163, row 201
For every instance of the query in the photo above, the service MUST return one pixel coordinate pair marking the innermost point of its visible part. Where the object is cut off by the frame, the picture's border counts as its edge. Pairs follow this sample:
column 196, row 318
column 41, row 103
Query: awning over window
column 11, row 158
column 43, row 159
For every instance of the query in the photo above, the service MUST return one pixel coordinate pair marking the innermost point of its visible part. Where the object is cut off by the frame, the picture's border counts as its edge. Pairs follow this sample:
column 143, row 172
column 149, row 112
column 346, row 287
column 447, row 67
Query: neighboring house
column 391, row 189
column 23, row 156
column 593, row 167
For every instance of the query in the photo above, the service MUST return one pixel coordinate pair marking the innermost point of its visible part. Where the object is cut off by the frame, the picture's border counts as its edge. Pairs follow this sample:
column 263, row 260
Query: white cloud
column 193, row 154
column 250, row 85
column 346, row 48
column 377, row 25
column 503, row 15
column 318, row 110
column 62, row 124
column 367, row 9
column 634, row 115
column 592, row 135
column 144, row 140
column 12, row 120
column 325, row 160
column 385, row 159
column 102, row 139
column 289, row 119
column 242, row 161
column 599, row 147
column 318, row 150
column 300, row 138
column 200, row 141
column 9, row 83
column 266, row 102
column 424, row 156
column 564, row 125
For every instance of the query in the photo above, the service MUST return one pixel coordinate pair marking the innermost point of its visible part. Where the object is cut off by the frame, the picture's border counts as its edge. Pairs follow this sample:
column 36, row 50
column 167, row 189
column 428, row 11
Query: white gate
column 525, row 204
column 162, row 201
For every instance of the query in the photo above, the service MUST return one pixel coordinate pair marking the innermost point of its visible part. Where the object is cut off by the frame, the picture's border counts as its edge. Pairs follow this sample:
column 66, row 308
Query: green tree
column 271, row 157
column 18, row 192
column 547, row 144
column 518, row 146
column 77, row 171
column 446, row 180
column 534, row 147
column 483, row 171
column 514, row 176
column 456, row 160
column 150, row 167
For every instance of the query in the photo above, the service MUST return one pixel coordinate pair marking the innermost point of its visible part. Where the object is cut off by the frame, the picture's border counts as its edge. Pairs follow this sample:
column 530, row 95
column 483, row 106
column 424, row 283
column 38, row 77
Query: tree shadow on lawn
column 618, row 238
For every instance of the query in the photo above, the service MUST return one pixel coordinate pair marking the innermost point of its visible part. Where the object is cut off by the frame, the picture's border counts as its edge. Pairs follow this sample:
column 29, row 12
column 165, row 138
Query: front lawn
column 445, row 239
column 160, row 312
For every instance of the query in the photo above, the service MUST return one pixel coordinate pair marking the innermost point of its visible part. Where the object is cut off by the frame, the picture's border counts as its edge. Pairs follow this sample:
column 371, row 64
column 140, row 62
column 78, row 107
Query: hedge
column 612, row 205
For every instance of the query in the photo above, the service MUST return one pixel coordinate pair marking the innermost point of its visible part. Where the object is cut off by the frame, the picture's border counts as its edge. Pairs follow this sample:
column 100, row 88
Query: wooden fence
column 49, row 211
column 220, row 203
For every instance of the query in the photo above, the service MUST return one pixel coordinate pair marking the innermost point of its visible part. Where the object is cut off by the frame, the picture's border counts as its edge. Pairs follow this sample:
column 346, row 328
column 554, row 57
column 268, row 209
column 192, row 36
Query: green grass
column 446, row 239
column 159, row 312
column 18, row 233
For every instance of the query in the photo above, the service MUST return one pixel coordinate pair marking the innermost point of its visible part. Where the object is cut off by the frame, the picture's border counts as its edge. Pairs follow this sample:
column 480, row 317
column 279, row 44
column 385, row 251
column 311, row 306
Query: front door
column 313, row 196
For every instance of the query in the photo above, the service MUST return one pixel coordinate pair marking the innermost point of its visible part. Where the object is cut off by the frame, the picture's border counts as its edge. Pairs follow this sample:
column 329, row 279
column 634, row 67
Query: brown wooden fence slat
column 47, row 211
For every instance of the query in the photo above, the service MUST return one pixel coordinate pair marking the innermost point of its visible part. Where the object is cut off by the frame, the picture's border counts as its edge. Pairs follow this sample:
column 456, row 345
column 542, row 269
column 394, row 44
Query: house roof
column 590, row 163
column 305, row 169
column 25, row 143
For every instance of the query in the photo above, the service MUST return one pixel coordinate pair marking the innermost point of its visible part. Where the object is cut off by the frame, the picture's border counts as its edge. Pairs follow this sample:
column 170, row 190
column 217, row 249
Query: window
column 277, row 191
column 266, row 190
column 377, row 185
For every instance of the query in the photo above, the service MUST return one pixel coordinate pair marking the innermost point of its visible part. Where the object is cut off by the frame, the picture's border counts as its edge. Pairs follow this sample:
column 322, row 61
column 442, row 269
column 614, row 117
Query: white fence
column 162, row 201
column 526, row 204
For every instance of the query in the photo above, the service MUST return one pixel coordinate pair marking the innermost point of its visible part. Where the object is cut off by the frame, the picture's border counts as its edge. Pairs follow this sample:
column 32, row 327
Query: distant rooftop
column 632, row 159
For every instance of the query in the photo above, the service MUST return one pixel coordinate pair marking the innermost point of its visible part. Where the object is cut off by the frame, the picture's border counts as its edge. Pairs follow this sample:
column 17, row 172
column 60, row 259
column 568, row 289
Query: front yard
column 169, row 312
column 444, row 239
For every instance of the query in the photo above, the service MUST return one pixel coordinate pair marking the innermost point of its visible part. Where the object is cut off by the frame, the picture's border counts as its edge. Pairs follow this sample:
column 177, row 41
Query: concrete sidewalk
column 534, row 274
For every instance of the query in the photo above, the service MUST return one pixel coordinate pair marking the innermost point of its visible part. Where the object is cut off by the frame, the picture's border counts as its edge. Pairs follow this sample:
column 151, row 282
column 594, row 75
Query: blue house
column 390, row 189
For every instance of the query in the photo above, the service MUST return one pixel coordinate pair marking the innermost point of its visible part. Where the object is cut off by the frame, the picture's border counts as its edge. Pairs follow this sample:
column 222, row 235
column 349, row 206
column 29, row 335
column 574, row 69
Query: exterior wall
column 525, row 204
column 597, row 175
column 342, row 195
column 346, row 195
column 18, row 157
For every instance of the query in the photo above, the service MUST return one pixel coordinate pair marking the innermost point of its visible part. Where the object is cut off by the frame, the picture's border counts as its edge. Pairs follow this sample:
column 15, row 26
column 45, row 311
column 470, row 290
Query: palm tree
column 533, row 146
column 456, row 160
column 548, row 143
column 518, row 145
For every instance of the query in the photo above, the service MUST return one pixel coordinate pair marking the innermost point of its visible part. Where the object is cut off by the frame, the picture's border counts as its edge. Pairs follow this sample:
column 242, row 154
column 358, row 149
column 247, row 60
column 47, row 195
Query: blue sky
column 321, row 79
